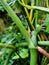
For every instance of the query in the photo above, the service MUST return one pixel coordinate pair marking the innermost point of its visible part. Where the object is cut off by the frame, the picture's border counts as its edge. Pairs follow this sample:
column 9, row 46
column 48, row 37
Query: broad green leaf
column 23, row 53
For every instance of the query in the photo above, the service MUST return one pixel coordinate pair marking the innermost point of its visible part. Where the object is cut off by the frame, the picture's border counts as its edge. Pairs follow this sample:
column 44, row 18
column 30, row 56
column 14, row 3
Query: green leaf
column 46, row 23
column 24, row 53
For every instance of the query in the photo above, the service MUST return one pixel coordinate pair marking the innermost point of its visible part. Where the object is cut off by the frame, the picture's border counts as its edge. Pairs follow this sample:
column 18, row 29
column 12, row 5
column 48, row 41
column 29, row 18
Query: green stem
column 18, row 22
column 30, row 22
column 27, row 13
column 7, row 46
column 31, row 11
column 33, row 52
column 22, row 44
column 35, row 7
column 43, row 43
column 36, row 16
column 33, row 57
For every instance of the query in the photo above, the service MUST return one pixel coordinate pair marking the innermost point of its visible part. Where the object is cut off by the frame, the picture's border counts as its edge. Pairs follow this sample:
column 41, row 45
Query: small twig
column 41, row 50
column 31, row 12
column 42, row 37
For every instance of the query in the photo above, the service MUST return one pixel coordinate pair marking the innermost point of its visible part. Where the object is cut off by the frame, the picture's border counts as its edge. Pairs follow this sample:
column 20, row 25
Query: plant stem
column 33, row 52
column 33, row 57
column 36, row 16
column 47, row 3
column 32, row 27
column 33, row 19
column 31, row 11
column 30, row 21
column 17, row 22
column 39, row 37
column 7, row 46
column 35, row 7
column 27, row 13
column 42, row 37
column 43, row 43
column 22, row 44
column 41, row 50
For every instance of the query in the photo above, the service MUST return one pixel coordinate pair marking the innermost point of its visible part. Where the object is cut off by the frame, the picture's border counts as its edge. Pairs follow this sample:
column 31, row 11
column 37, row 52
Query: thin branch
column 31, row 12
column 28, row 16
column 41, row 50
column 27, row 13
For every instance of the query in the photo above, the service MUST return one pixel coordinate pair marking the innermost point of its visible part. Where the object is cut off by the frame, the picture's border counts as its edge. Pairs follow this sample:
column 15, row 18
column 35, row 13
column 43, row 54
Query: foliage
column 22, row 28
